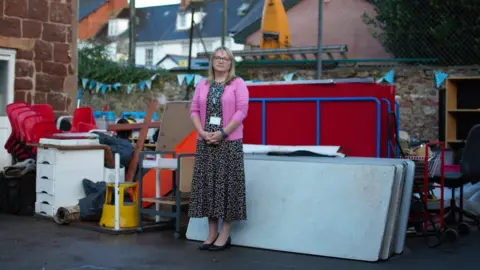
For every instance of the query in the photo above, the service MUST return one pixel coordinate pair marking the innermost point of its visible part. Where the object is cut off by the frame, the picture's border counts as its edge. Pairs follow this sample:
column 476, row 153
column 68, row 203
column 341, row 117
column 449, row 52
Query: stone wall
column 42, row 32
column 415, row 90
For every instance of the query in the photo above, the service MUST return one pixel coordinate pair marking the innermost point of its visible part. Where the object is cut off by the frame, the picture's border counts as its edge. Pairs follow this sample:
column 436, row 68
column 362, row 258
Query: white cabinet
column 60, row 173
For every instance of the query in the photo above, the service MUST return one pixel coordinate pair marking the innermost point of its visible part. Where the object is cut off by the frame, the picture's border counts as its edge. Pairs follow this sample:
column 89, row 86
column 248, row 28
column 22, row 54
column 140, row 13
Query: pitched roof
column 86, row 7
column 253, row 20
column 158, row 23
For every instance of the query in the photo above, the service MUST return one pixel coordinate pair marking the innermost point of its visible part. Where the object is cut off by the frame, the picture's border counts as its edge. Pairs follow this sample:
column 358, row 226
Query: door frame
column 9, row 55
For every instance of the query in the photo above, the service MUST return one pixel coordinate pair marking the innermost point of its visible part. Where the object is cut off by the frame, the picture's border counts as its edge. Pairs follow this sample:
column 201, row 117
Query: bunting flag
column 98, row 86
column 189, row 78
column 115, row 86
column 440, row 77
column 84, row 82
column 92, row 84
column 103, row 88
column 389, row 77
column 288, row 77
column 197, row 79
column 149, row 84
column 180, row 78
column 130, row 88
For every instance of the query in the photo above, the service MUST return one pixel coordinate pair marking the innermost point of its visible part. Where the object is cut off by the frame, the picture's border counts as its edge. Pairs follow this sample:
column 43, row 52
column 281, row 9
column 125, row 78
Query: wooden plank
column 132, row 167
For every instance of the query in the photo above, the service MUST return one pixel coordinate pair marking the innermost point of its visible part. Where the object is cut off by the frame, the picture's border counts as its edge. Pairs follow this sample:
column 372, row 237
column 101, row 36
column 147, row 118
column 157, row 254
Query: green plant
column 448, row 30
column 94, row 63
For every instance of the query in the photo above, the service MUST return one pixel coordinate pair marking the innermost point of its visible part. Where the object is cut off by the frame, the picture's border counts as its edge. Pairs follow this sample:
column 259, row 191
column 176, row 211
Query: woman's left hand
column 216, row 137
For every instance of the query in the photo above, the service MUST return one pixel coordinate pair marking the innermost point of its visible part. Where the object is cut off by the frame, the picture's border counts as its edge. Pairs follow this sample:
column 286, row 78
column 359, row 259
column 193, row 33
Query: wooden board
column 176, row 125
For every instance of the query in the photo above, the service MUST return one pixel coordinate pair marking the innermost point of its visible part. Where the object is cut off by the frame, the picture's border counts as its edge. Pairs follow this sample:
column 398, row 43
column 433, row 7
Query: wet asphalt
column 36, row 244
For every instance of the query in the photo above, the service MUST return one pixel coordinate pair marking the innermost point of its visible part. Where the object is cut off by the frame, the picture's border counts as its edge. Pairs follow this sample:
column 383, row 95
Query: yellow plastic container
column 128, row 211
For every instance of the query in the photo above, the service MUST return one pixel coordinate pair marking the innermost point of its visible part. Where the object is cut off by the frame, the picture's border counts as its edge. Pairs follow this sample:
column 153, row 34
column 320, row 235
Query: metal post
column 192, row 25
column 319, row 45
column 224, row 23
column 132, row 39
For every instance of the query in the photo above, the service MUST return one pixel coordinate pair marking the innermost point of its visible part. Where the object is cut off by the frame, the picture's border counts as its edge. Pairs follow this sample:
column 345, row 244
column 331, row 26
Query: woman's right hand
column 204, row 135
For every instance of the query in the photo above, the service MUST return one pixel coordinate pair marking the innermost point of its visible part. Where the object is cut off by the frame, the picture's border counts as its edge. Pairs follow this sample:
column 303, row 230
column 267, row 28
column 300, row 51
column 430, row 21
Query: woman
column 218, row 108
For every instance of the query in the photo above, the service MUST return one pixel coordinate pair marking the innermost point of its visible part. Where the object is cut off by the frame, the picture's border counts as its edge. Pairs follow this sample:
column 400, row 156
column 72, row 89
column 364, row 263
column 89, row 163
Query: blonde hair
column 231, row 72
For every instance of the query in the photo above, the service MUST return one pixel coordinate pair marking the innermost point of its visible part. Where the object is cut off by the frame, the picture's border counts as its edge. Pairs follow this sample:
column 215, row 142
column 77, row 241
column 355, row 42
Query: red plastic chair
column 28, row 132
column 9, row 110
column 83, row 115
column 42, row 129
column 21, row 123
column 84, row 127
column 45, row 110
column 20, row 146
column 15, row 136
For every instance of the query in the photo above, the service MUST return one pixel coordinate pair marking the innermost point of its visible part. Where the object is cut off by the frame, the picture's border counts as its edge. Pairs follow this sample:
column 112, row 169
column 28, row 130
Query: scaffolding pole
column 319, row 43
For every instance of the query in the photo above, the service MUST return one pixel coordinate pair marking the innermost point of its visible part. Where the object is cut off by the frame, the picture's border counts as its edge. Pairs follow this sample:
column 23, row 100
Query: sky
column 148, row 3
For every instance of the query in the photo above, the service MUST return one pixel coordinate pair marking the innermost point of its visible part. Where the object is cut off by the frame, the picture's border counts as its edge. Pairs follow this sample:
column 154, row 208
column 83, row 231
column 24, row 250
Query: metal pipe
column 319, row 43
column 264, row 101
column 224, row 23
column 132, row 23
column 192, row 25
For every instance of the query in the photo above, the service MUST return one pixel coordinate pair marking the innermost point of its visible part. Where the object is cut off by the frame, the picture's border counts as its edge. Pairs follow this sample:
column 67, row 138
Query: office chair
column 469, row 173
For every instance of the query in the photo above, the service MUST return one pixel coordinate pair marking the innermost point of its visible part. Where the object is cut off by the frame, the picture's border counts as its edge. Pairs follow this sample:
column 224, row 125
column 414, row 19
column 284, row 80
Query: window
column 149, row 57
column 117, row 26
column 182, row 21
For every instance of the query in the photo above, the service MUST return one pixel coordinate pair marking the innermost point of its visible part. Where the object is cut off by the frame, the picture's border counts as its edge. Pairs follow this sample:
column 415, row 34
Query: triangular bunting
column 440, row 77
column 148, row 83
column 197, row 79
column 130, row 88
column 288, row 77
column 142, row 86
column 84, row 82
column 180, row 78
column 189, row 78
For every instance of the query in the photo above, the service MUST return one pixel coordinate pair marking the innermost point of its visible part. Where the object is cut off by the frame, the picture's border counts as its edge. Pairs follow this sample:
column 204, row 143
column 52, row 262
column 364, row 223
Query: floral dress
column 218, row 185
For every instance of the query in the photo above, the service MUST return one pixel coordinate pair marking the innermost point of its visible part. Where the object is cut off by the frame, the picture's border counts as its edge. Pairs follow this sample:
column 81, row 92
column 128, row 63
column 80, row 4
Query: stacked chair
column 30, row 123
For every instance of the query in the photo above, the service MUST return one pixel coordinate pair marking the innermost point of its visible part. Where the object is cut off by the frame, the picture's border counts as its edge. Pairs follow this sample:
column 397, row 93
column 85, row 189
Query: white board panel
column 402, row 218
column 329, row 209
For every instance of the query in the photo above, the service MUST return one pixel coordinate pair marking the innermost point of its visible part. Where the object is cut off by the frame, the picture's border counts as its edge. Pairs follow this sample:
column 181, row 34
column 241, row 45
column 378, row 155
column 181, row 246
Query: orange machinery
column 275, row 30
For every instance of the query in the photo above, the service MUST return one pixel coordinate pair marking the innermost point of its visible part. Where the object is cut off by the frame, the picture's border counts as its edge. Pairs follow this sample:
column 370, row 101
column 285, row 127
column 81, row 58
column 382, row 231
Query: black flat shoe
column 205, row 246
column 220, row 248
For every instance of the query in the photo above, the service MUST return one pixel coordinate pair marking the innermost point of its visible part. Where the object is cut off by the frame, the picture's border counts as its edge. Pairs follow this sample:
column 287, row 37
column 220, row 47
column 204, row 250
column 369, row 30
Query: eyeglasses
column 223, row 59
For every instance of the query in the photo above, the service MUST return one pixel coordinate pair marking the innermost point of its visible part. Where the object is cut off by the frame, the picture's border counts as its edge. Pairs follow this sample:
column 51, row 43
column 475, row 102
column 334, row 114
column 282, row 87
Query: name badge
column 215, row 120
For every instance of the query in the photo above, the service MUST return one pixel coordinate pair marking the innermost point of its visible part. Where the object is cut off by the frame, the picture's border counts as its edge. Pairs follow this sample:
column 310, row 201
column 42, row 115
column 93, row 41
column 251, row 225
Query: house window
column 182, row 21
column 117, row 26
column 149, row 57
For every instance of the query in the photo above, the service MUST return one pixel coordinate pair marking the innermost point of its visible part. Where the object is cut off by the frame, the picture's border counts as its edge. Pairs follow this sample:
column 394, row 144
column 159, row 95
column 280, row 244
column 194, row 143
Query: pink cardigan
column 234, row 105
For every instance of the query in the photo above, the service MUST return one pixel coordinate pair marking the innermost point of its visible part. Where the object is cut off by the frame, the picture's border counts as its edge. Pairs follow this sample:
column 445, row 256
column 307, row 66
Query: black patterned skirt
column 218, row 185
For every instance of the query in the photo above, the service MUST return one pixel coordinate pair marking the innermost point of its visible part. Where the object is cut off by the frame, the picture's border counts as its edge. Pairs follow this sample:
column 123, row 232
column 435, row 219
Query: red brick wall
column 42, row 33
column 91, row 24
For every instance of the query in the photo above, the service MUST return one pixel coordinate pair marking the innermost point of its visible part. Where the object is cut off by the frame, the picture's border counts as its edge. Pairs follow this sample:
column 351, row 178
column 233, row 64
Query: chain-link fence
column 445, row 32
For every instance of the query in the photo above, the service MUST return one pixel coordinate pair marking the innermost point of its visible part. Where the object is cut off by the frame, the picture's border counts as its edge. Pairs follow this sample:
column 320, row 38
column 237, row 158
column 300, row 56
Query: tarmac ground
column 36, row 244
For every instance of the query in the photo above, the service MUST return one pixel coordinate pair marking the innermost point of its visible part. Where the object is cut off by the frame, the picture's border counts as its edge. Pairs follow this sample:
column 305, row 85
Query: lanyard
column 215, row 94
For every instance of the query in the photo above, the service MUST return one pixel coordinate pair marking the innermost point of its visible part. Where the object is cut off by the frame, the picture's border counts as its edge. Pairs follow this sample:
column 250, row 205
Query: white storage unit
column 60, row 171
